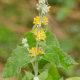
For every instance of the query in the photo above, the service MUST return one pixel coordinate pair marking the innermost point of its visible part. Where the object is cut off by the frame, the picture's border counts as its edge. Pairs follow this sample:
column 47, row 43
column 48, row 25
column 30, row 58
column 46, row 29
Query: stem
column 19, row 76
column 36, row 62
column 36, row 68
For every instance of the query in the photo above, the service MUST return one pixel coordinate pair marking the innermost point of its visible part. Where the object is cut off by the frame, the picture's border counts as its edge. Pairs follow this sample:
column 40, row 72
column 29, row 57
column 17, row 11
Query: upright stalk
column 36, row 62
column 36, row 68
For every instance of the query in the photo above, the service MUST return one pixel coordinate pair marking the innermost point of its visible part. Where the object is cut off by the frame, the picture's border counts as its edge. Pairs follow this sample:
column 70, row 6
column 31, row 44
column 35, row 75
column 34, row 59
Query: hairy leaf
column 51, row 39
column 18, row 59
column 58, row 57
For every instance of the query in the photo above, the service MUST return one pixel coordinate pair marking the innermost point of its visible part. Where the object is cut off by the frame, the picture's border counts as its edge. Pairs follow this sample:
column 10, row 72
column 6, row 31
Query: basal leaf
column 18, row 59
column 30, row 40
column 58, row 57
column 29, row 75
column 43, row 75
column 74, row 78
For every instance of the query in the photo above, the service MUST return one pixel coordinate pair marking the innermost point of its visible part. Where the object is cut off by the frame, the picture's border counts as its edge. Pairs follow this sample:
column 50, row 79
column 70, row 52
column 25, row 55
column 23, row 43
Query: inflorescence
column 38, row 31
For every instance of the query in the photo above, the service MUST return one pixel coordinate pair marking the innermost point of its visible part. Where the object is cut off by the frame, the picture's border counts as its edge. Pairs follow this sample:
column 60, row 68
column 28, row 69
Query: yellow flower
column 34, row 51
column 41, row 35
column 49, row 7
column 36, row 4
column 31, row 55
column 46, row 20
column 35, row 31
column 37, row 20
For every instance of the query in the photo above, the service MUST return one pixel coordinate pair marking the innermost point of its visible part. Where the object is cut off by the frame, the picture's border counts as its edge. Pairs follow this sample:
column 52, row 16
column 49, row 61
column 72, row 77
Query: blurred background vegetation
column 16, row 18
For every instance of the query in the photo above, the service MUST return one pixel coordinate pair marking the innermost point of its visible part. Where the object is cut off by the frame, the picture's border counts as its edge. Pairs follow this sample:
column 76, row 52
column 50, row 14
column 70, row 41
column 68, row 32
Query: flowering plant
column 39, row 50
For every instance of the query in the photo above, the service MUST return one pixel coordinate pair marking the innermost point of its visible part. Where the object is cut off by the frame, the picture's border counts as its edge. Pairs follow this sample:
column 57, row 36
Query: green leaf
column 49, row 77
column 51, row 39
column 58, row 57
column 29, row 75
column 43, row 75
column 18, row 59
column 30, row 40
column 41, row 70
column 42, row 63
column 47, row 66
column 25, row 78
column 54, row 73
column 74, row 78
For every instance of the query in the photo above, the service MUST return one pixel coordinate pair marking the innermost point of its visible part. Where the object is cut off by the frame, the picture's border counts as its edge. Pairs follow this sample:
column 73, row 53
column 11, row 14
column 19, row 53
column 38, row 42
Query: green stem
column 36, row 68
column 19, row 76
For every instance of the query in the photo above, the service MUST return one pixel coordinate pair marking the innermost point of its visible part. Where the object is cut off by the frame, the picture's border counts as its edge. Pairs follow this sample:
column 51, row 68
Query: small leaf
column 41, row 70
column 58, row 57
column 25, row 78
column 43, row 75
column 49, row 77
column 74, row 78
column 29, row 75
column 47, row 66
column 54, row 73
column 18, row 59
